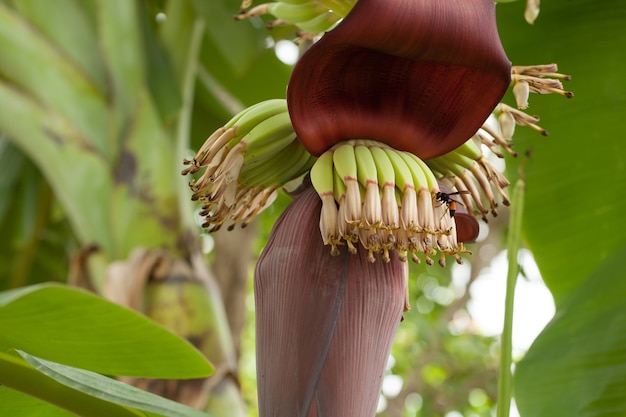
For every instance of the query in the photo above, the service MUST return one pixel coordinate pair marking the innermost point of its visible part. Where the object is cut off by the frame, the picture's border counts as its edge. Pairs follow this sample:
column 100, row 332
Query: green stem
column 20, row 376
column 23, row 263
column 505, row 384
column 183, row 131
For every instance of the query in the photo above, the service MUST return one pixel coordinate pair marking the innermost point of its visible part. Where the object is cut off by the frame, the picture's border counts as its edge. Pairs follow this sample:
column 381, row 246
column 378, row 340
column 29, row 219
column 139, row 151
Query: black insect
column 450, row 202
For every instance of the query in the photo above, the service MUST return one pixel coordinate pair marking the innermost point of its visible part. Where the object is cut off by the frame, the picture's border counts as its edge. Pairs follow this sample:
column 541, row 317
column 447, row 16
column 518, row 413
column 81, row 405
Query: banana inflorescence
column 311, row 16
column 385, row 199
column 245, row 162
column 372, row 195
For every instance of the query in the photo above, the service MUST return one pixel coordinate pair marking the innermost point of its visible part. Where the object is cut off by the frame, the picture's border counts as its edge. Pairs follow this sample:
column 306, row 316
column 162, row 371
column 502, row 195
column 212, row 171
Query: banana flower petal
column 324, row 324
column 419, row 75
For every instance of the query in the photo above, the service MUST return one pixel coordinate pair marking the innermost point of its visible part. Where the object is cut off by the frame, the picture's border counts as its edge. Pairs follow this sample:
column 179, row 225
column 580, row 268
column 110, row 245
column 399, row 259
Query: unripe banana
column 344, row 161
column 339, row 188
column 386, row 180
column 470, row 149
column 267, row 171
column 269, row 135
column 366, row 167
column 257, row 114
column 268, row 151
column 368, row 178
column 322, row 173
column 431, row 180
column 341, row 7
column 322, row 178
column 419, row 177
column 296, row 13
column 295, row 165
column 403, row 175
column 321, row 23
column 404, row 179
column 384, row 168
column 295, row 2
column 425, row 184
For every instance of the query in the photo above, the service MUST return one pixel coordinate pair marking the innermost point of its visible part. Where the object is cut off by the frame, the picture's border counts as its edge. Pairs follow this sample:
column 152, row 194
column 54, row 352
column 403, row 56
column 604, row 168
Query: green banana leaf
column 82, row 392
column 574, row 205
column 80, row 329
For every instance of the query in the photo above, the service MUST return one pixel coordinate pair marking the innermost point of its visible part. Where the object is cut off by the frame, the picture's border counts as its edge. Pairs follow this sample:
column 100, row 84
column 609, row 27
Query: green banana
column 254, row 115
column 368, row 177
column 269, row 136
column 322, row 178
column 389, row 204
column 339, row 188
column 341, row 7
column 346, row 230
column 344, row 161
column 426, row 184
column 322, row 174
column 283, row 167
column 321, row 23
column 404, row 181
column 268, row 151
column 295, row 13
column 469, row 149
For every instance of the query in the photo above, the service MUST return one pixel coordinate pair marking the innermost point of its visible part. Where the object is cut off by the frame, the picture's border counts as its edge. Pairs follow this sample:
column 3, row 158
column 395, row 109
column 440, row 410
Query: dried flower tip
column 519, row 118
column 541, row 79
column 244, row 162
column 328, row 223
column 499, row 139
column 245, row 4
column 489, row 143
column 532, row 11
column 545, row 70
column 259, row 10
column 521, row 91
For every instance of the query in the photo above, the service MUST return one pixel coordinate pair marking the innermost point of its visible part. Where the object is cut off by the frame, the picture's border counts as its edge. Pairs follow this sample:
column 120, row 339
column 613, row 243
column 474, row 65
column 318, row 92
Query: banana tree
column 111, row 164
column 394, row 111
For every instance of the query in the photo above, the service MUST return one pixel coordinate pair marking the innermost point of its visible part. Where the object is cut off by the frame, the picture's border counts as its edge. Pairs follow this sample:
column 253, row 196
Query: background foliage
column 96, row 115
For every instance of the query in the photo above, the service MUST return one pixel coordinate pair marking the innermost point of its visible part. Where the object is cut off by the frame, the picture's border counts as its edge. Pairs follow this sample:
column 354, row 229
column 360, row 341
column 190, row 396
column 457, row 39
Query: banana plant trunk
column 325, row 324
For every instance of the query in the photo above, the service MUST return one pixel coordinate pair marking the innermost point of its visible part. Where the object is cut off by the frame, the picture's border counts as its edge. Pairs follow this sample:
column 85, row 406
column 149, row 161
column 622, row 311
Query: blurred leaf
column 575, row 176
column 144, row 196
column 11, row 161
column 74, row 170
column 574, row 203
column 16, row 404
column 122, row 49
column 82, row 392
column 18, row 374
column 35, row 241
column 237, row 43
column 159, row 69
column 24, row 52
column 110, row 390
column 577, row 366
column 80, row 329
column 76, row 40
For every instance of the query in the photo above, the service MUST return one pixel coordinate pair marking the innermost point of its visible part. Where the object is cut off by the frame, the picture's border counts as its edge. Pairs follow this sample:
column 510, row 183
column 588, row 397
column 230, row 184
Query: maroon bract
column 419, row 75
column 324, row 324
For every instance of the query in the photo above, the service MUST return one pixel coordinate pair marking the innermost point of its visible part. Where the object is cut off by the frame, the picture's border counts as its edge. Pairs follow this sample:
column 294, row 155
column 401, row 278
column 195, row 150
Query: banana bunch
column 473, row 176
column 385, row 199
column 245, row 162
column 311, row 16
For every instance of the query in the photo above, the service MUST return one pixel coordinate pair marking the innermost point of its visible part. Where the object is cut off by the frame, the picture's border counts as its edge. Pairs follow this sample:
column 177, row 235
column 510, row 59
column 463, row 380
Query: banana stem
column 183, row 130
column 513, row 246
